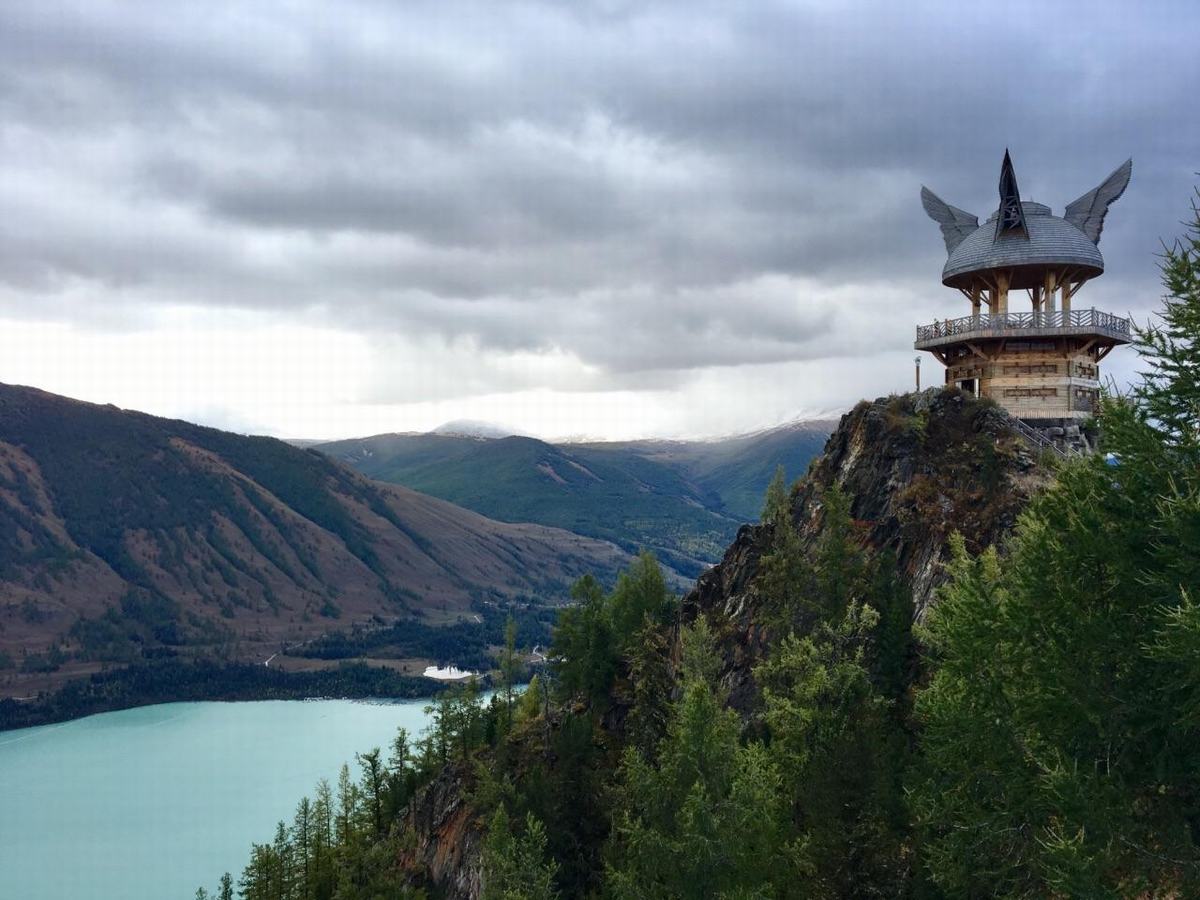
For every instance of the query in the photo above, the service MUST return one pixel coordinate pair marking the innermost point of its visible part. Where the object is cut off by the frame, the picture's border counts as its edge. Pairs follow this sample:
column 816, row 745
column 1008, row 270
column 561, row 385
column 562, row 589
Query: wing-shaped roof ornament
column 956, row 223
column 1088, row 212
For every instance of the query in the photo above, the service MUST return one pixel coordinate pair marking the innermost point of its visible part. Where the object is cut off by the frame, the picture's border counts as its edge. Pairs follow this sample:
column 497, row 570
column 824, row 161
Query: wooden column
column 1048, row 293
column 1001, row 293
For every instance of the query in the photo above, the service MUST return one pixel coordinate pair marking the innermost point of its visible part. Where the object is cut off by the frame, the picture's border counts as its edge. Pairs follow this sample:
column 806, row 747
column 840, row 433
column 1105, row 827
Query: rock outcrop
column 916, row 468
column 445, row 837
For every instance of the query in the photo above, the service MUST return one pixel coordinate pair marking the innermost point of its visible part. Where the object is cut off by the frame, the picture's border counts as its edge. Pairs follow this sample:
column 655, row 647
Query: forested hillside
column 684, row 500
column 125, row 538
column 940, row 667
column 736, row 469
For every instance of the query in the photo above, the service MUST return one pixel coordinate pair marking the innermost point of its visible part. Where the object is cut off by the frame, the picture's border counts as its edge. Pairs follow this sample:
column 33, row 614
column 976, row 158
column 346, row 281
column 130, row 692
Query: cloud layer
column 669, row 201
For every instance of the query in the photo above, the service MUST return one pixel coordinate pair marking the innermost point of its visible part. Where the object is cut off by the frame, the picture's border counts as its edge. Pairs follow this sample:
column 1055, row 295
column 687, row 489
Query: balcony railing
column 1005, row 323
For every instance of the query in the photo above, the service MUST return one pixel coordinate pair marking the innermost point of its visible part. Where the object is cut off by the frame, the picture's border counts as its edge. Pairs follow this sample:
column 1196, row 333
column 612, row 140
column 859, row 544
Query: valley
column 126, row 538
column 136, row 552
column 683, row 500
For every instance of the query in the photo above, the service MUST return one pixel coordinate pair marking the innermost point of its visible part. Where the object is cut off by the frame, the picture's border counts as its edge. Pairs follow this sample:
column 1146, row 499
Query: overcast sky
column 614, row 219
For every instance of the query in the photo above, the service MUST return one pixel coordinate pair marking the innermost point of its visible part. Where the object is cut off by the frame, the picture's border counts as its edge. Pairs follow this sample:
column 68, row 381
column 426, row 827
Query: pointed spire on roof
column 1011, row 221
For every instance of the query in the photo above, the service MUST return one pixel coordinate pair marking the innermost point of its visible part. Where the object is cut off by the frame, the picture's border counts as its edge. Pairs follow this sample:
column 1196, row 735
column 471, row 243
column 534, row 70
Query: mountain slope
column 683, row 500
column 124, row 536
column 616, row 495
column 737, row 470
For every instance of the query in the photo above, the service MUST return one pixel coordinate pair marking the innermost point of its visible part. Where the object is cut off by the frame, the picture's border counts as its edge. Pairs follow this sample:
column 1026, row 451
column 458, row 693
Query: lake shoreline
column 173, row 681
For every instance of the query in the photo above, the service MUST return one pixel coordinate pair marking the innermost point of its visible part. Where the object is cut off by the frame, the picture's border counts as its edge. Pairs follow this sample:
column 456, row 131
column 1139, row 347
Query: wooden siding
column 1054, row 379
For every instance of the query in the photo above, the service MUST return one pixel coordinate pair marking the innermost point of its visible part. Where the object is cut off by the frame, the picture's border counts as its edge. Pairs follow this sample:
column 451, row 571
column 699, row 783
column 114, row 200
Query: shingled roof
column 1033, row 242
column 1052, row 242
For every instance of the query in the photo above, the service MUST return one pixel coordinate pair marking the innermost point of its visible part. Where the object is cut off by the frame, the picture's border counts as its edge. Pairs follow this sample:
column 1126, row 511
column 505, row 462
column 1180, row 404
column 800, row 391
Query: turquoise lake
column 155, row 802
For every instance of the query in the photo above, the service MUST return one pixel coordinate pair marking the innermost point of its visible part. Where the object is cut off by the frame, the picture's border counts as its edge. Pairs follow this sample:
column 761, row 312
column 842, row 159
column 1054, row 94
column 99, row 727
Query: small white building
column 450, row 673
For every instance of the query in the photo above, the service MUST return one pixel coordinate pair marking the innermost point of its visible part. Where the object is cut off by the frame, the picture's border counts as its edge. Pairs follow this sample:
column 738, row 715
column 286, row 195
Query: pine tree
column 529, row 706
column 372, row 782
column 399, row 758
column 895, row 651
column 840, row 562
column 777, row 504
column 705, row 821
column 347, row 807
column 784, row 574
column 302, row 841
column 1170, row 392
column 698, row 655
column 832, row 740
column 583, row 652
column 401, row 780
column 515, row 867
column 323, row 840
column 641, row 591
column 259, row 877
column 509, row 667
column 471, row 720
column 650, row 688
column 283, row 875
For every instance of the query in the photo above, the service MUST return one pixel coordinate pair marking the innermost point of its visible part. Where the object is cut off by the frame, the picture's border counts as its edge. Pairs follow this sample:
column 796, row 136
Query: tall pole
column 917, row 360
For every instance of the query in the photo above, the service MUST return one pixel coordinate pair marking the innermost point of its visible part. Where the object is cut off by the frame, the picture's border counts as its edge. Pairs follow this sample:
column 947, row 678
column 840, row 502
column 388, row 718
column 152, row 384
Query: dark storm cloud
column 645, row 187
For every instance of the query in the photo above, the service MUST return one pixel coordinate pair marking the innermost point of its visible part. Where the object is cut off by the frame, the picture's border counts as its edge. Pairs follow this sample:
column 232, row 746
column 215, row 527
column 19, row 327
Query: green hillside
column 616, row 495
column 125, row 537
column 683, row 500
column 737, row 470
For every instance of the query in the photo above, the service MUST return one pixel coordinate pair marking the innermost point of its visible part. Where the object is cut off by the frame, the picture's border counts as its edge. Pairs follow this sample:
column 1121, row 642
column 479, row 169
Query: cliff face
column 445, row 843
column 916, row 468
column 919, row 467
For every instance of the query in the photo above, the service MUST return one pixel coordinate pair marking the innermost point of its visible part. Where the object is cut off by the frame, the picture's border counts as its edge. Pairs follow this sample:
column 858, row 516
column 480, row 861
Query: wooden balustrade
column 1028, row 323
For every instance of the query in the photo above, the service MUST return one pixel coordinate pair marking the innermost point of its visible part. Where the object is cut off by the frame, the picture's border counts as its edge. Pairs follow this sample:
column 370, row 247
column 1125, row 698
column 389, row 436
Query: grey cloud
column 648, row 188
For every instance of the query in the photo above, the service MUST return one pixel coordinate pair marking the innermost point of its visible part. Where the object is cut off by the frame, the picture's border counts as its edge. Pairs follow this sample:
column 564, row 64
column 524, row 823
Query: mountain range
column 126, row 537
column 684, row 500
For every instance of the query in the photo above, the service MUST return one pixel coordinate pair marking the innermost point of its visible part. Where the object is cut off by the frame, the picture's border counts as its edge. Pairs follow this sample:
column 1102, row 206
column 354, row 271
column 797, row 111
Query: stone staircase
column 1063, row 440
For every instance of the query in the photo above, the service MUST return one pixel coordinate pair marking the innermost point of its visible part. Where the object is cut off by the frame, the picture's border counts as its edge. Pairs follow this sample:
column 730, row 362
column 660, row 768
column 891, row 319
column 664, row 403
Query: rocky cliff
column 916, row 468
column 445, row 845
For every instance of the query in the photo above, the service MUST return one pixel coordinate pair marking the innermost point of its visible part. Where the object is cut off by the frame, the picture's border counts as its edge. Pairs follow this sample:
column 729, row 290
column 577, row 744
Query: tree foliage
column 593, row 637
column 1170, row 393
column 515, row 867
column 702, row 820
column 839, row 754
